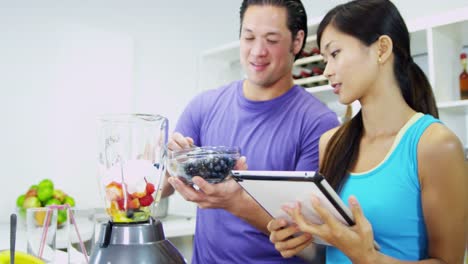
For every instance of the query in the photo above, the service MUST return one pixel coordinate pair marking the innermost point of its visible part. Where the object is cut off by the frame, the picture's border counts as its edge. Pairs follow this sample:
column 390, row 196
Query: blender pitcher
column 132, row 154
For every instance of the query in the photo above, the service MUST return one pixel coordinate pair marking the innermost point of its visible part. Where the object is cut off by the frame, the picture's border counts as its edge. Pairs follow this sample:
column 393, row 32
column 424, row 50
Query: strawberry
column 149, row 188
column 147, row 200
column 121, row 204
column 131, row 204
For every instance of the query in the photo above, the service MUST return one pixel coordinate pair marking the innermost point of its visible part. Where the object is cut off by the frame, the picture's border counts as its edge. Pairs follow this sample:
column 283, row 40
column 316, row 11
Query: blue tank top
column 390, row 197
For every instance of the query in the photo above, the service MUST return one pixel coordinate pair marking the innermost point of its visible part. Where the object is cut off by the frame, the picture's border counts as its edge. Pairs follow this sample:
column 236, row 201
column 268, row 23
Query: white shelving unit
column 313, row 79
column 436, row 43
column 308, row 60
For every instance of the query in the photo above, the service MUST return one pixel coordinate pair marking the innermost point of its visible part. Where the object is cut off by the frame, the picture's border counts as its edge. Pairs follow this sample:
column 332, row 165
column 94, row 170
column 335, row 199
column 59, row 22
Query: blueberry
column 189, row 169
column 129, row 213
column 212, row 168
column 231, row 162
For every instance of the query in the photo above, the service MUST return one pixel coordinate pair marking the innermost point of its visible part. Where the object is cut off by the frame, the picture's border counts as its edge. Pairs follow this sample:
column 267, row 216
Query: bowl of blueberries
column 213, row 164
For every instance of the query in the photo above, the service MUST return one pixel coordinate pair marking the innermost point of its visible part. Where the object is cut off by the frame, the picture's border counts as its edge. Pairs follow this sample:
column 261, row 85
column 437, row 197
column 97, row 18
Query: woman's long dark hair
column 367, row 20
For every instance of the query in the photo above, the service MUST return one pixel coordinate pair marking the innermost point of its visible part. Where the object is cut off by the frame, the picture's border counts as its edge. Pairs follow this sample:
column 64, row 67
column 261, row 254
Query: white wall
column 64, row 62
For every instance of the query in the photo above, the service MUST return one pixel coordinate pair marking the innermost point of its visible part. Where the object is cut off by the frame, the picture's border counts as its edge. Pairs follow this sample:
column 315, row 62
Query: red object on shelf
column 317, row 71
column 305, row 54
column 463, row 78
column 305, row 74
column 315, row 51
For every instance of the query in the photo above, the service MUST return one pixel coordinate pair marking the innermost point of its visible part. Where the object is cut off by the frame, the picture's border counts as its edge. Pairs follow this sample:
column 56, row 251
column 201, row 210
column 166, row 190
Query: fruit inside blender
column 130, row 190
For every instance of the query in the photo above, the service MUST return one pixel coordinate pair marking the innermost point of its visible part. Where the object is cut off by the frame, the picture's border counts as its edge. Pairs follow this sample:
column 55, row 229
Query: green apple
column 44, row 193
column 30, row 202
column 59, row 195
column 20, row 200
column 31, row 193
column 69, row 200
column 52, row 201
column 46, row 183
column 61, row 216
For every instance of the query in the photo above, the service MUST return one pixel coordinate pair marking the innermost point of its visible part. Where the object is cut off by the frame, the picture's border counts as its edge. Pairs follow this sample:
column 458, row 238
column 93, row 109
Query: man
column 276, row 124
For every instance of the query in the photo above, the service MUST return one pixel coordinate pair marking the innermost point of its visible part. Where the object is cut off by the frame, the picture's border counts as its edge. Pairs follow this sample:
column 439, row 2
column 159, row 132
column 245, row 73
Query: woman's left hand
column 355, row 241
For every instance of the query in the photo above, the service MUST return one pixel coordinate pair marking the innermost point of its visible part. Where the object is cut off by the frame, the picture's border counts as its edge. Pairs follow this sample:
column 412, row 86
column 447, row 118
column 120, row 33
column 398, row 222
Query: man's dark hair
column 297, row 17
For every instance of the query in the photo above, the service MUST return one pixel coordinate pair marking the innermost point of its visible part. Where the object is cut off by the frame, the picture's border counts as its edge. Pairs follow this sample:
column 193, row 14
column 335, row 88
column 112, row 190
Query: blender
column 132, row 156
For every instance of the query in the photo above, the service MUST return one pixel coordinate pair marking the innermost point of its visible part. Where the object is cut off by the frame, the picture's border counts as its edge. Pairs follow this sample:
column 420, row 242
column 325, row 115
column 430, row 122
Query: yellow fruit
column 20, row 258
column 40, row 216
column 121, row 218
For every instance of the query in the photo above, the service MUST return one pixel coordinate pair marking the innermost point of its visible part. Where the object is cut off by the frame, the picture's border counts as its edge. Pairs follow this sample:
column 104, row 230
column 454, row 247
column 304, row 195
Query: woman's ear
column 297, row 42
column 385, row 48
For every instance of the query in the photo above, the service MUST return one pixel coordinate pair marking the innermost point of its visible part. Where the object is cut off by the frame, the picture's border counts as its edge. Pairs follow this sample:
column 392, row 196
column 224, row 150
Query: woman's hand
column 282, row 235
column 357, row 242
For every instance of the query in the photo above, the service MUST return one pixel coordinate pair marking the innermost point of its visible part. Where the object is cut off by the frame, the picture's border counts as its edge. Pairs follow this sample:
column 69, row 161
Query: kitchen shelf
column 308, row 60
column 311, row 39
column 324, row 93
column 320, row 89
column 309, row 80
column 455, row 107
column 449, row 17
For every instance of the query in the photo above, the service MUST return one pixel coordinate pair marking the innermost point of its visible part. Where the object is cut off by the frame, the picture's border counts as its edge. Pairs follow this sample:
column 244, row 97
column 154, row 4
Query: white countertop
column 173, row 225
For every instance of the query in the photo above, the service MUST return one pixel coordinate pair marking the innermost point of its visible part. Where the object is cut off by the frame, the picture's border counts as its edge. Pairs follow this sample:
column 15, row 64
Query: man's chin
column 261, row 84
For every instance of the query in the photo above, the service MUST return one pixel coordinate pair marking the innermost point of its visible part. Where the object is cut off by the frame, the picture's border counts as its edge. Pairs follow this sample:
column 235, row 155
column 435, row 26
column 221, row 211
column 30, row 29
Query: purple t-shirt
column 279, row 134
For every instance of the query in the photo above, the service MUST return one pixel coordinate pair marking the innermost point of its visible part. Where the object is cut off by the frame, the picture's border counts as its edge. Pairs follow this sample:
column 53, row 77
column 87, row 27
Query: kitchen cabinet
column 436, row 44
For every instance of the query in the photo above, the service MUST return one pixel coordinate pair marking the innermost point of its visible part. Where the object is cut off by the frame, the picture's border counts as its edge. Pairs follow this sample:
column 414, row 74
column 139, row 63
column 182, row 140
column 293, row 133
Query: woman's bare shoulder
column 438, row 141
column 440, row 152
column 325, row 138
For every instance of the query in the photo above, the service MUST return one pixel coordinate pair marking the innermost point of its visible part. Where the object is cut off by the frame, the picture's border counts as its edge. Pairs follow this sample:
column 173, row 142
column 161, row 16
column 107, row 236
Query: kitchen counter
column 174, row 226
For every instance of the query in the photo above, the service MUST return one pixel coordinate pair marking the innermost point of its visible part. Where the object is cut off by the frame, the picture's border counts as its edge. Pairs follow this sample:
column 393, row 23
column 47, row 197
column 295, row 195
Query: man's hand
column 223, row 195
column 220, row 195
column 176, row 142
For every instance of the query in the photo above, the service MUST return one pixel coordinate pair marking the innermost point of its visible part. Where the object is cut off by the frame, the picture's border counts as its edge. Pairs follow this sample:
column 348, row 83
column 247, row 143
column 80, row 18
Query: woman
column 405, row 168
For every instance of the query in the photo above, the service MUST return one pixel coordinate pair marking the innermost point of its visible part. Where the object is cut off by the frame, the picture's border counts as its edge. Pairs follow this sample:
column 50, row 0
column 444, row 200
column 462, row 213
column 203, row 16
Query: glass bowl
column 213, row 164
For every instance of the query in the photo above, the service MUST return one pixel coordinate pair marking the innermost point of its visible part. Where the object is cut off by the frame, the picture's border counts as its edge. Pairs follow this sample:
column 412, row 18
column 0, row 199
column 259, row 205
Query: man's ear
column 297, row 42
column 385, row 48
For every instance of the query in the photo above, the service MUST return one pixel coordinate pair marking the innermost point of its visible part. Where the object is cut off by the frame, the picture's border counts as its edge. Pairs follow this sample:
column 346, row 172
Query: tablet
column 273, row 189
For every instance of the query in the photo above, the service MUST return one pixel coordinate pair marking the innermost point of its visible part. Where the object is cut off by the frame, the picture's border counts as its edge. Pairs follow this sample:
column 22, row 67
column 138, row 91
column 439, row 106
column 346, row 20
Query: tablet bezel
column 299, row 176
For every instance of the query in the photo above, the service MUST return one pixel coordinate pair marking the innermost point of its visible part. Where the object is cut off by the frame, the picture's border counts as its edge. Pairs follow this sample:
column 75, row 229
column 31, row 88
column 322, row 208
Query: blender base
column 134, row 243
